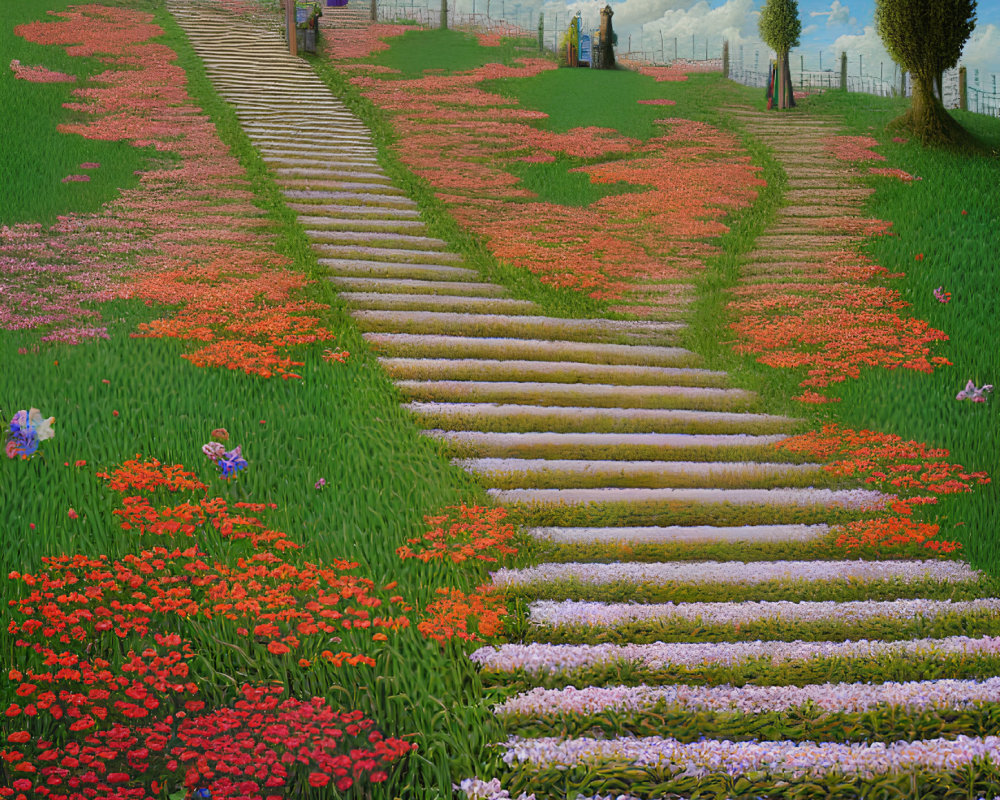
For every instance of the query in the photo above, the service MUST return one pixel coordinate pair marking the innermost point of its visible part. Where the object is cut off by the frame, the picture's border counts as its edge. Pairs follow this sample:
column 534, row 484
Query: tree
column 926, row 38
column 780, row 27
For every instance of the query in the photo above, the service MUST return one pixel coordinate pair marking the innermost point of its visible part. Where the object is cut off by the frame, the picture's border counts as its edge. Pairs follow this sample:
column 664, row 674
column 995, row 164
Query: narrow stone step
column 651, row 534
column 375, row 225
column 374, row 252
column 559, row 372
column 359, row 197
column 597, row 395
column 539, row 473
column 342, row 212
column 514, row 417
column 336, row 185
column 431, row 302
column 357, row 267
column 435, row 345
column 665, row 446
column 525, row 327
column 403, row 241
column 414, row 287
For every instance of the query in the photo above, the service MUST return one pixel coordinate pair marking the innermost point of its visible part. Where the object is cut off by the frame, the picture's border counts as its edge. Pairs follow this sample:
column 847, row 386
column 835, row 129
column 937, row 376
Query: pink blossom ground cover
column 188, row 233
column 659, row 231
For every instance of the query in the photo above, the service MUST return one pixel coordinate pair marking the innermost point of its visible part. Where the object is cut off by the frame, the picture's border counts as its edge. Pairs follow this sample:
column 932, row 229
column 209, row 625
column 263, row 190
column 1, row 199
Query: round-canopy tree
column 780, row 27
column 926, row 38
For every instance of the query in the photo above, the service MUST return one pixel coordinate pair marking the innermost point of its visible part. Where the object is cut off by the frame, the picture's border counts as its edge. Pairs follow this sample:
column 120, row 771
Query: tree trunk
column 788, row 82
column 927, row 118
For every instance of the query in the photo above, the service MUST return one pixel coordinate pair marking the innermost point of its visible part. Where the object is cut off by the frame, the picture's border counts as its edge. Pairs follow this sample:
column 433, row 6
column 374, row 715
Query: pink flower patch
column 90, row 165
column 660, row 101
column 891, row 172
column 76, row 179
column 39, row 74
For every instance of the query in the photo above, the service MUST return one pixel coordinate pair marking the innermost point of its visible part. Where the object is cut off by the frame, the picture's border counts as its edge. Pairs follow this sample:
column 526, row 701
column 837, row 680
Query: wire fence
column 749, row 67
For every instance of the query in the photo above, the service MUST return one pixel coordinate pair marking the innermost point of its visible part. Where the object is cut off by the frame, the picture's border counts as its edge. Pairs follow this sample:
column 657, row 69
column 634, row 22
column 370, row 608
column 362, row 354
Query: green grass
column 959, row 253
column 446, row 51
column 35, row 157
column 342, row 423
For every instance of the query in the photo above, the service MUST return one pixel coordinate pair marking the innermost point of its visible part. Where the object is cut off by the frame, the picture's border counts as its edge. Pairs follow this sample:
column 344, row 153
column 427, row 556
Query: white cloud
column 735, row 20
column 808, row 29
column 836, row 14
column 982, row 52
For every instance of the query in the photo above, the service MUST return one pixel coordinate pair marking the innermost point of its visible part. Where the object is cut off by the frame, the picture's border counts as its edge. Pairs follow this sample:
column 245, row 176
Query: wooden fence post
column 444, row 15
column 963, row 92
column 725, row 58
column 843, row 71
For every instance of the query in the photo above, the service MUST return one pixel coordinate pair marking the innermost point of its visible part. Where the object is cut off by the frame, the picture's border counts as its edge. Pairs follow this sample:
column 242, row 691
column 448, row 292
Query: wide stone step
column 558, row 372
column 423, row 288
column 687, row 534
column 525, row 327
column 513, row 417
column 357, row 267
column 802, row 497
column 375, row 252
column 576, row 394
column 431, row 302
column 538, row 473
column 432, row 345
column 624, row 446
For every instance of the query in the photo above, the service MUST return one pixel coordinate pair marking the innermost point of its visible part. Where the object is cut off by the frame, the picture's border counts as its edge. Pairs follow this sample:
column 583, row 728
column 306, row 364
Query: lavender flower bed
column 737, row 572
column 780, row 759
column 539, row 659
column 595, row 614
column 832, row 697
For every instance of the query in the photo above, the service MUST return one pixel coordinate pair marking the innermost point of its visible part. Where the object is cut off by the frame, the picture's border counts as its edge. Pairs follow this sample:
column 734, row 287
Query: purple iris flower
column 231, row 462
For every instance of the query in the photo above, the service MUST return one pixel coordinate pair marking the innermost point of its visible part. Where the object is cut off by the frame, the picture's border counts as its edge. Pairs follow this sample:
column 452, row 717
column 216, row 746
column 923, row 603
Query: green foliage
column 35, row 156
column 807, row 723
column 680, row 592
column 957, row 253
column 926, row 38
column 759, row 672
column 779, row 25
column 887, row 629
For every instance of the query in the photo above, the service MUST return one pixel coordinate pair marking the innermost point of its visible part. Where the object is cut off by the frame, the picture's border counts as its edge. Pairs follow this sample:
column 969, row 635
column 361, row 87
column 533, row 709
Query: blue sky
column 829, row 26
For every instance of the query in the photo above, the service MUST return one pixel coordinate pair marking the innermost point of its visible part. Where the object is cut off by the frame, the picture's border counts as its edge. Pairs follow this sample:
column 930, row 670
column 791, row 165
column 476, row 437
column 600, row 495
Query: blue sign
column 302, row 14
column 585, row 48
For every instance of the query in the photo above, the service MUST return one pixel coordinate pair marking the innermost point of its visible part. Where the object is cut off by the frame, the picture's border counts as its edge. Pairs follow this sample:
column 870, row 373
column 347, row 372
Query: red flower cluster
column 248, row 751
column 912, row 471
column 106, row 648
column 653, row 233
column 469, row 617
column 853, row 148
column 463, row 533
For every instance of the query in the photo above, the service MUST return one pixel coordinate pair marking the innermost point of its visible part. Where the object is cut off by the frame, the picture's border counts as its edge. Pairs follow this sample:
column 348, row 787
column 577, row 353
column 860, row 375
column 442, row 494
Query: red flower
column 318, row 779
column 345, row 783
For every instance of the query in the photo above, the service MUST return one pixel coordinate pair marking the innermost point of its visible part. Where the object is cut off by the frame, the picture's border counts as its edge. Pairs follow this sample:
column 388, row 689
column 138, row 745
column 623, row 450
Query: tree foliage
column 925, row 36
column 779, row 25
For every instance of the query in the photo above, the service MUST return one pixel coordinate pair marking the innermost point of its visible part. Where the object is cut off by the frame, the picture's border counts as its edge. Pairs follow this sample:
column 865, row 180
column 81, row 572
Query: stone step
column 337, row 185
column 539, row 473
column 688, row 534
column 510, row 417
column 368, row 179
column 385, row 199
column 432, row 346
column 344, row 212
column 624, row 446
column 402, row 241
column 522, row 326
column 558, row 372
column 857, row 499
column 595, row 395
column 430, row 302
column 376, row 225
column 414, row 287
column 360, row 268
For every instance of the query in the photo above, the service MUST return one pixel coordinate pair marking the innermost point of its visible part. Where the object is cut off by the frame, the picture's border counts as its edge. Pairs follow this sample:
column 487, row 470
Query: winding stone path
column 572, row 421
